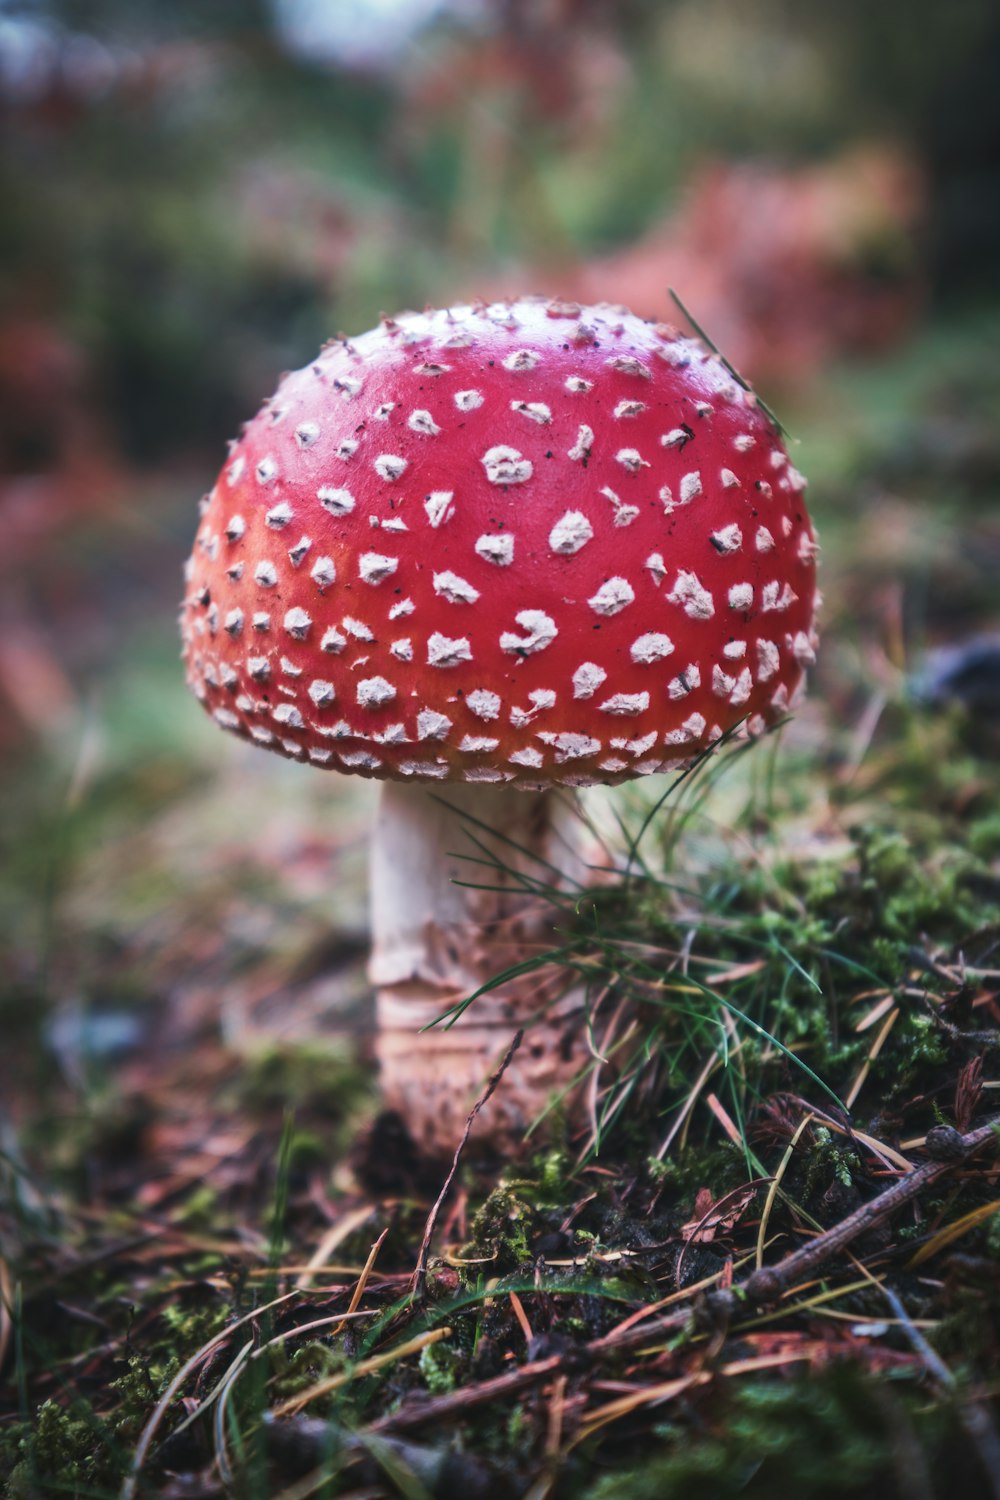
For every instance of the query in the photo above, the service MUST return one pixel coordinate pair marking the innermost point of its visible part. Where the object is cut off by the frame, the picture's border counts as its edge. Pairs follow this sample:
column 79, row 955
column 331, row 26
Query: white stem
column 436, row 941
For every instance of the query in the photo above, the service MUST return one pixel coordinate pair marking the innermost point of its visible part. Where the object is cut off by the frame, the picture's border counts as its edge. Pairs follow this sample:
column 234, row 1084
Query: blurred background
column 194, row 196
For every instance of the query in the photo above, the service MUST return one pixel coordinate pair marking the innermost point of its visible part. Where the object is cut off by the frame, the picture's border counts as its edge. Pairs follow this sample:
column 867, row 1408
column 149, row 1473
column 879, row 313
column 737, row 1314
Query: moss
column 308, row 1364
column 827, row 1159
column 307, row 1077
column 824, row 1436
column 65, row 1446
column 503, row 1229
column 439, row 1365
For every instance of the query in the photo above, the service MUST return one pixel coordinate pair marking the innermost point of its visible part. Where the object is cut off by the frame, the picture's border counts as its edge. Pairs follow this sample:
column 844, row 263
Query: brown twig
column 420, row 1271
column 764, row 1285
column 770, row 1282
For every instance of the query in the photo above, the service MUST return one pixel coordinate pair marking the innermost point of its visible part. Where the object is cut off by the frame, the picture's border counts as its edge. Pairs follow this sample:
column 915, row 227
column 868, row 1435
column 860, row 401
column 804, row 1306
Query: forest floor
column 215, row 1271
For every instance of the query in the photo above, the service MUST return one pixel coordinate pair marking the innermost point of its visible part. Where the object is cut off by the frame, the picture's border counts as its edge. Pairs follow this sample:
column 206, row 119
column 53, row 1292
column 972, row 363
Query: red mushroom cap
column 527, row 542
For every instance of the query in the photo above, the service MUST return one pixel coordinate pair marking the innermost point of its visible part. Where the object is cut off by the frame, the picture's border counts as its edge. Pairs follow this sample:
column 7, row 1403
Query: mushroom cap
column 524, row 542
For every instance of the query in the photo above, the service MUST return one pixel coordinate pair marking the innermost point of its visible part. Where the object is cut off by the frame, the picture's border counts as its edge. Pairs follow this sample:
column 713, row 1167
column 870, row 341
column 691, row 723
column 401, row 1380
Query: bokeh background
column 193, row 196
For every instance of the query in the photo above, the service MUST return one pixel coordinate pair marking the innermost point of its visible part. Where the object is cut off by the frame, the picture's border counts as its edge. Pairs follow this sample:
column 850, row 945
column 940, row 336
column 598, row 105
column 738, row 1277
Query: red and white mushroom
column 481, row 554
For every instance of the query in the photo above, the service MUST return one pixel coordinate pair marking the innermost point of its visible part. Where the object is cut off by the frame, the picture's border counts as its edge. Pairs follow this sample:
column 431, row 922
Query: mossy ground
column 190, row 1190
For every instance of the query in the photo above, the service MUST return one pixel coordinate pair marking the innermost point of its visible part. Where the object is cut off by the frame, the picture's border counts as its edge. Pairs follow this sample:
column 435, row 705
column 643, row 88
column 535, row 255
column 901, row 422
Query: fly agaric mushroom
column 482, row 554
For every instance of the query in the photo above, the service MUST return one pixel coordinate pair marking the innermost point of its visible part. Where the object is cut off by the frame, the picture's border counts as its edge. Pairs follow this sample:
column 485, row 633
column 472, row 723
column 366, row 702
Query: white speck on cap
column 297, row 622
column 587, row 679
column 323, row 572
column 348, row 387
column 445, row 651
column 741, row 596
column 372, row 692
column 570, row 746
column 375, row 567
column 333, row 641
column 722, row 683
column 581, row 449
column 468, row 400
column 624, row 514
column 422, row 421
column 496, row 549
column 636, row 747
column 266, row 574
column 571, row 532
column 394, row 734
column 688, row 591
column 287, row 713
column 690, row 486
column 321, row 692
column 338, row 502
column 612, row 596
column 727, row 538
column 483, row 703
column 774, row 597
column 535, row 411
column 651, row 647
column 505, row 465
column 455, row 589
column 432, row 725
column 631, row 459
column 685, row 682
column 439, row 506
column 433, row 768
column 522, row 359
column 391, row 466
column 801, row 648
column 400, row 608
column 626, row 705
column 402, row 649
column 627, row 364
column 540, row 630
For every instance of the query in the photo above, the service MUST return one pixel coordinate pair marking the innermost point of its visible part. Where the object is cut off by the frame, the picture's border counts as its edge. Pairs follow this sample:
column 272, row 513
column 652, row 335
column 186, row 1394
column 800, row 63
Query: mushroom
column 484, row 554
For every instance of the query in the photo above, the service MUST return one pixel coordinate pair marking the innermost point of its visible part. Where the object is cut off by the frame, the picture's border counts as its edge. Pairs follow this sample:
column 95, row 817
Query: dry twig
column 420, row 1271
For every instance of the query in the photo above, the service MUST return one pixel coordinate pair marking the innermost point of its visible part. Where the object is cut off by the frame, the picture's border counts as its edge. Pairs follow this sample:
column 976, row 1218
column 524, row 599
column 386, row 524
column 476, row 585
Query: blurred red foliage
column 57, row 467
column 784, row 269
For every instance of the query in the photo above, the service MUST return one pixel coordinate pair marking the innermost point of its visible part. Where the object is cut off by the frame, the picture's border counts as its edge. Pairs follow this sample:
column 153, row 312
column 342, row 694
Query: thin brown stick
column 764, row 1285
column 770, row 1282
column 420, row 1272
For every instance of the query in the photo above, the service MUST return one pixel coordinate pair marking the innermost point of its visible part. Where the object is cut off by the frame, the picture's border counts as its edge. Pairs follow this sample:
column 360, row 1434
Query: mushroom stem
column 436, row 940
